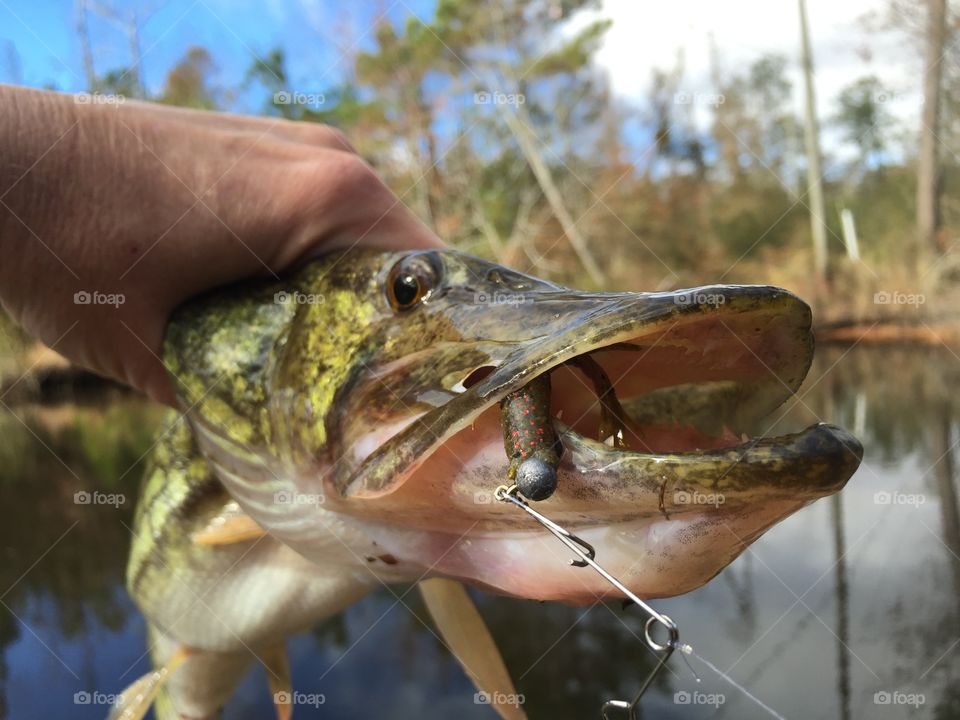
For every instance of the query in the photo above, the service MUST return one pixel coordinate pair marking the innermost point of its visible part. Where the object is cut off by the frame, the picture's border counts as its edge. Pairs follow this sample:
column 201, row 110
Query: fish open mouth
column 692, row 483
column 696, row 372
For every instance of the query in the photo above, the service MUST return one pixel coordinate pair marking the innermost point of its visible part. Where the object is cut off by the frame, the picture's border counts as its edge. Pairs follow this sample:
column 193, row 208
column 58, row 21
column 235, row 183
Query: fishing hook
column 587, row 554
column 580, row 546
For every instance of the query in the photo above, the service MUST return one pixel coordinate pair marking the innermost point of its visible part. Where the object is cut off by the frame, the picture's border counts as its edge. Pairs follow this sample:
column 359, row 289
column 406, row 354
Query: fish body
column 342, row 428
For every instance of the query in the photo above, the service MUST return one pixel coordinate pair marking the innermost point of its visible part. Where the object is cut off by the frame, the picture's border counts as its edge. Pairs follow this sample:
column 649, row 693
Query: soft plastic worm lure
column 613, row 420
column 530, row 440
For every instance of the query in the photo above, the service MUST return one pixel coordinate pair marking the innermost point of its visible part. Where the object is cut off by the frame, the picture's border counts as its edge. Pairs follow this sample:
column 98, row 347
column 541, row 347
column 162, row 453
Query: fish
column 341, row 428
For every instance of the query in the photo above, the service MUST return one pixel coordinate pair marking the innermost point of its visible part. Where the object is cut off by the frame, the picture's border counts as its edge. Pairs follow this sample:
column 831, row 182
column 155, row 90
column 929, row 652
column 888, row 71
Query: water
column 849, row 609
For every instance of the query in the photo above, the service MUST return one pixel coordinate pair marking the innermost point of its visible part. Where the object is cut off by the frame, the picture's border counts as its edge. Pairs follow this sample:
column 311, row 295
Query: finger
column 315, row 134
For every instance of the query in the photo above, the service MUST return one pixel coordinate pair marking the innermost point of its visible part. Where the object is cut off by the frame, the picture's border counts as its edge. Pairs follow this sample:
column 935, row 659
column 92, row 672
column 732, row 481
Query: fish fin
column 230, row 525
column 278, row 678
column 470, row 641
column 135, row 701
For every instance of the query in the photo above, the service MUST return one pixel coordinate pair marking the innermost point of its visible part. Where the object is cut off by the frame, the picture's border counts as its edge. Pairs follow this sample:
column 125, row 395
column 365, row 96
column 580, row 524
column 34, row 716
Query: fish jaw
column 662, row 524
column 758, row 338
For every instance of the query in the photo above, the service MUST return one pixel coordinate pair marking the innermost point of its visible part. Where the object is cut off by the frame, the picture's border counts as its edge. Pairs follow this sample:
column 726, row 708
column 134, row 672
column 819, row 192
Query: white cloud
column 649, row 35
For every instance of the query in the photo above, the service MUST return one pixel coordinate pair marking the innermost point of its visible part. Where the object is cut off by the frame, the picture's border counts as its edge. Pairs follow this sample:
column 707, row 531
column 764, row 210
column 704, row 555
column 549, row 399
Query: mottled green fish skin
column 248, row 359
column 179, row 495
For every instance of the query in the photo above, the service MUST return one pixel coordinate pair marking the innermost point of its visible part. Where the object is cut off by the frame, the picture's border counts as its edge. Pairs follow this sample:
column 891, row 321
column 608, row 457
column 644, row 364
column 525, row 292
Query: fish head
column 372, row 381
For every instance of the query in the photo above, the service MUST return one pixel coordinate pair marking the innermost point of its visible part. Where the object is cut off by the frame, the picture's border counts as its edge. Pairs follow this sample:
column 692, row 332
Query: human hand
column 156, row 204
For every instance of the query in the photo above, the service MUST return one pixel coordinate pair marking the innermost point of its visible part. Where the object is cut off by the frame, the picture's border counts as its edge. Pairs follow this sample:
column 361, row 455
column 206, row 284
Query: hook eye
column 671, row 627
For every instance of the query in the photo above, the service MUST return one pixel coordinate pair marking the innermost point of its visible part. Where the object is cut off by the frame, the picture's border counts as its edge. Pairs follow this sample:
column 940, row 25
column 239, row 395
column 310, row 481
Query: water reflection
column 855, row 596
column 843, row 606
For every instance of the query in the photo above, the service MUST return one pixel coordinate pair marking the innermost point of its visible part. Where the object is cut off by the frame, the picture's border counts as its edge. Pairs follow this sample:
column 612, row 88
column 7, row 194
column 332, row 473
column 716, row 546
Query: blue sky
column 39, row 44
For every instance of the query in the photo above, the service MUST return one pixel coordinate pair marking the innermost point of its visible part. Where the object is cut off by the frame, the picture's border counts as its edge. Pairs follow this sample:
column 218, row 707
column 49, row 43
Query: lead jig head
column 536, row 479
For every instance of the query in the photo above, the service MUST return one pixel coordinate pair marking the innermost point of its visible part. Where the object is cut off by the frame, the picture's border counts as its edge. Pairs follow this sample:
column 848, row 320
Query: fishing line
column 687, row 650
column 586, row 555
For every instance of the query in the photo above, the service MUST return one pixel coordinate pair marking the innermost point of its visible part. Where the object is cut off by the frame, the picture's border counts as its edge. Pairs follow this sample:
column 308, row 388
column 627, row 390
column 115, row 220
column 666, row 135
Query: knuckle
column 336, row 139
column 321, row 136
column 352, row 174
column 337, row 182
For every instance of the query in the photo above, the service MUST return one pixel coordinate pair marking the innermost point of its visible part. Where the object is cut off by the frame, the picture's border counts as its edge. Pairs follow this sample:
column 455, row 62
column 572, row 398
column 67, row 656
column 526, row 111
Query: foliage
column 863, row 117
column 188, row 83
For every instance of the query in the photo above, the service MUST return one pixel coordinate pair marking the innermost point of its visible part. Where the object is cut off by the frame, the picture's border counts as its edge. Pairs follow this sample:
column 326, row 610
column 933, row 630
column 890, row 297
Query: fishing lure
column 530, row 440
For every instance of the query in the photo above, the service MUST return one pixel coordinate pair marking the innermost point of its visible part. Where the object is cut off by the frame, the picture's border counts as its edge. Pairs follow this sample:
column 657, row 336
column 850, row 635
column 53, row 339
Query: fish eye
column 412, row 280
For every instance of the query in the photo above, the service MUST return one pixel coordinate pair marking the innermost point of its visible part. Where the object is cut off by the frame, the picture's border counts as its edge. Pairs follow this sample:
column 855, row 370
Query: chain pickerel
column 346, row 426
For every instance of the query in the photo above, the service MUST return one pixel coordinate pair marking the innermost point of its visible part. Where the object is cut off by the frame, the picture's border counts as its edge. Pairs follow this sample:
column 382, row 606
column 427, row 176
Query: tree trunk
column 818, row 225
column 928, row 171
column 83, row 33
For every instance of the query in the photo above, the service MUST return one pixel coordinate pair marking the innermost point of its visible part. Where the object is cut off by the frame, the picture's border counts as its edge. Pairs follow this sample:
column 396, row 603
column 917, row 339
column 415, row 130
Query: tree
column 533, row 55
column 397, row 72
column 188, row 83
column 864, row 118
column 928, row 167
column 753, row 125
column 818, row 224
column 508, row 82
